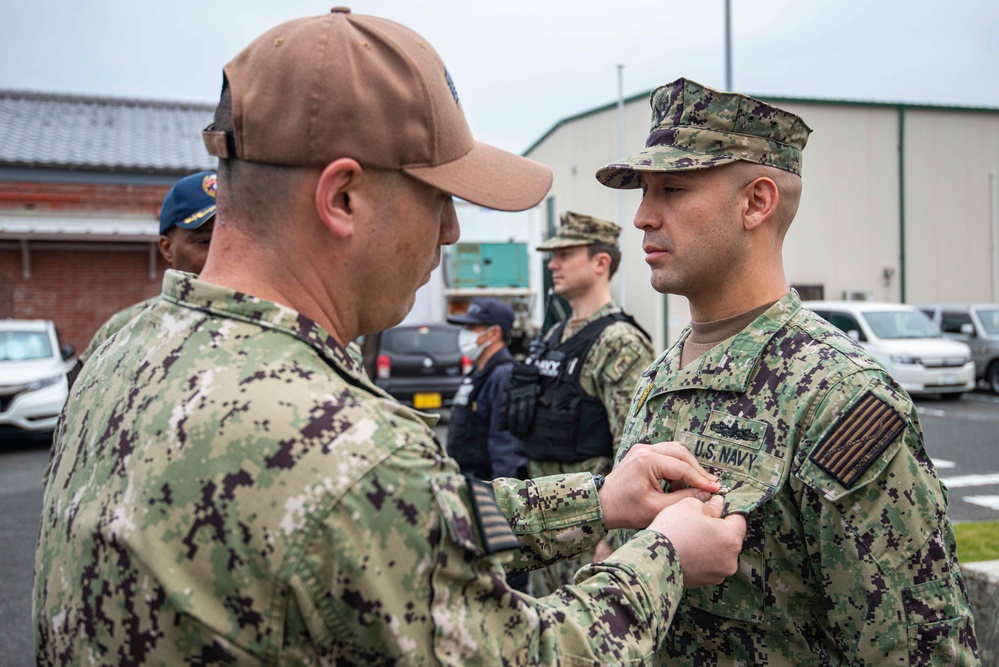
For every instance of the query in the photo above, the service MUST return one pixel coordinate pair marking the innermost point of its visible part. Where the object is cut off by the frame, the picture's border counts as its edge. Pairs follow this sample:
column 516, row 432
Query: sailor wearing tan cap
column 849, row 556
column 230, row 487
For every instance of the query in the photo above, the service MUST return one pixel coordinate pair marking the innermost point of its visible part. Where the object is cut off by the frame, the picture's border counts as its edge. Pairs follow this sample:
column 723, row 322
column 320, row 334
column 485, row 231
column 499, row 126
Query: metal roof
column 41, row 130
column 774, row 99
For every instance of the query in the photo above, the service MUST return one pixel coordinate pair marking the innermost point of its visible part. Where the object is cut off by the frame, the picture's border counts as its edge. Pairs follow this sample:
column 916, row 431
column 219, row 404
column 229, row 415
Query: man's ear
column 761, row 197
column 166, row 247
column 336, row 198
column 603, row 261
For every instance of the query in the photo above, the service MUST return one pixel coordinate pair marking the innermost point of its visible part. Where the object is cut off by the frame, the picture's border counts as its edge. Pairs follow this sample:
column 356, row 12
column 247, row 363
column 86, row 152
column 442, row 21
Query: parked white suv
column 906, row 342
column 33, row 385
column 976, row 324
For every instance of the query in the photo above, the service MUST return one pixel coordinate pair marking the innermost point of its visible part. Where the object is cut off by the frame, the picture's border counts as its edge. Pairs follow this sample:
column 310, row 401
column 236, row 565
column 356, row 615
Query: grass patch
column 977, row 541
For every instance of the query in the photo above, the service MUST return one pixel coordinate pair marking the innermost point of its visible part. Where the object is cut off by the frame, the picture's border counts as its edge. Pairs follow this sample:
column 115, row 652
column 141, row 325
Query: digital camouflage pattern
column 610, row 372
column 228, row 487
column 849, row 557
column 696, row 127
column 113, row 324
column 577, row 229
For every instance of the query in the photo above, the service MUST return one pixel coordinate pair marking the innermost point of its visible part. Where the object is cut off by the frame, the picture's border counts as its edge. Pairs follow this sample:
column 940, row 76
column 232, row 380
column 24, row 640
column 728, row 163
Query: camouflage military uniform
column 227, row 486
column 610, row 372
column 849, row 556
column 113, row 324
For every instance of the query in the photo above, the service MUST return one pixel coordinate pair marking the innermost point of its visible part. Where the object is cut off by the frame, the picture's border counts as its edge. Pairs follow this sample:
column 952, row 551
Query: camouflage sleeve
column 554, row 518
column 877, row 532
column 612, row 369
column 402, row 570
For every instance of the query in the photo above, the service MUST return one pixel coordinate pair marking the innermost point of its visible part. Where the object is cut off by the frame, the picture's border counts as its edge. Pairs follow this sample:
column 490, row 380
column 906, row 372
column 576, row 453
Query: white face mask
column 468, row 343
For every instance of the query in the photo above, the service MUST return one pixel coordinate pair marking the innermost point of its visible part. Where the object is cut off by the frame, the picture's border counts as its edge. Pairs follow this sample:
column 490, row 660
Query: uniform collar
column 184, row 289
column 607, row 309
column 728, row 367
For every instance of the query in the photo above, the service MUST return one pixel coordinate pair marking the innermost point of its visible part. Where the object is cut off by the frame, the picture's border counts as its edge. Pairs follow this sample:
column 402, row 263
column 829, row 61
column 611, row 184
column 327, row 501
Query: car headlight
column 904, row 359
column 44, row 382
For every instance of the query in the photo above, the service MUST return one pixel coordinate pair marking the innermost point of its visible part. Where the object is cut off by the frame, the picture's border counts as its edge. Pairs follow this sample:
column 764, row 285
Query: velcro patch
column 857, row 439
column 497, row 535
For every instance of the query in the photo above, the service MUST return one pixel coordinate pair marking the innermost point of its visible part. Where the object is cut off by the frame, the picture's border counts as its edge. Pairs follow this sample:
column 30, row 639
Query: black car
column 420, row 365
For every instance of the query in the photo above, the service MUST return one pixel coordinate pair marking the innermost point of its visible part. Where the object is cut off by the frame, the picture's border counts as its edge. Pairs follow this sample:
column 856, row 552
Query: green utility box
column 490, row 265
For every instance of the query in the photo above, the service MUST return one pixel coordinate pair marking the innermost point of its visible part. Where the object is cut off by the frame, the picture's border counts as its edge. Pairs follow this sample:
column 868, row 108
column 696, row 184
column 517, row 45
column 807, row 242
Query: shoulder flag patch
column 857, row 439
column 493, row 526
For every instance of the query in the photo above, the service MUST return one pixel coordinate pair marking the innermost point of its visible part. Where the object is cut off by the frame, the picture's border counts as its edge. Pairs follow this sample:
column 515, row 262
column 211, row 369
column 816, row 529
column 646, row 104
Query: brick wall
column 84, row 197
column 77, row 289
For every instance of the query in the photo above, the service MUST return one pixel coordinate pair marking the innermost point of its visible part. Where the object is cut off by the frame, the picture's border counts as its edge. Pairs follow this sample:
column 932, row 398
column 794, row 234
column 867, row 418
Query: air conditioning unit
column 858, row 295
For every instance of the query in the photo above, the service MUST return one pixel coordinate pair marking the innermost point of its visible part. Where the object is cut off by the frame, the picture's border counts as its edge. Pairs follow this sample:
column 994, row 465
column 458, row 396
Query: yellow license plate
column 425, row 401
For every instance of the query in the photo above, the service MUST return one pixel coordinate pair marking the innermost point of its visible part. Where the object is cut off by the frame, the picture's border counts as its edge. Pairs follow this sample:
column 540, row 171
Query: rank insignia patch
column 493, row 526
column 857, row 439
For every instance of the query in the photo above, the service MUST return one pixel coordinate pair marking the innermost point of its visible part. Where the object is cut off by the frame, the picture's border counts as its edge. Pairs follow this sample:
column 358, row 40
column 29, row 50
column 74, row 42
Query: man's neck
column 488, row 354
column 708, row 311
column 242, row 267
column 586, row 304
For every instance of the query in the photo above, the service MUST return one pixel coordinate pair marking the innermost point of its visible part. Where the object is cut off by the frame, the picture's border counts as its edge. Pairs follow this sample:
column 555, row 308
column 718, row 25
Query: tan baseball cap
column 316, row 89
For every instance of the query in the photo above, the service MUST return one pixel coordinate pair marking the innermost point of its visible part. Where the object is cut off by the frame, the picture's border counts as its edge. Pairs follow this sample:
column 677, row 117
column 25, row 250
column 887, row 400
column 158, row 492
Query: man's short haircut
column 611, row 249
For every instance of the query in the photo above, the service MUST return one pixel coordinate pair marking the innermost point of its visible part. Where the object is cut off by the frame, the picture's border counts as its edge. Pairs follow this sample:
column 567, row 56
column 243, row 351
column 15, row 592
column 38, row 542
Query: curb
column 982, row 581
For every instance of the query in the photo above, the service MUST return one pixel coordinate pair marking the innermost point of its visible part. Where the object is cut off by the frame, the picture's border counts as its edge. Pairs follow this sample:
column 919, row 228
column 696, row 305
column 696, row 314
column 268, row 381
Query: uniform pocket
column 934, row 622
column 752, row 477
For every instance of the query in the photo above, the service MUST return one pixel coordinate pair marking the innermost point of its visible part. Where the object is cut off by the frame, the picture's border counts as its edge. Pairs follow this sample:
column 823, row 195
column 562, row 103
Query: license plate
column 425, row 401
column 948, row 378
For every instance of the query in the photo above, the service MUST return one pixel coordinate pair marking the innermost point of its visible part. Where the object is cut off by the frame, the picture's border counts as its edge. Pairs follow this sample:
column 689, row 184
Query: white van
column 906, row 342
column 33, row 383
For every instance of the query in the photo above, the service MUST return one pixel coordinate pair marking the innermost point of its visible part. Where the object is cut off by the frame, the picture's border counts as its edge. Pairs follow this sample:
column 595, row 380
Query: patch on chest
column 857, row 438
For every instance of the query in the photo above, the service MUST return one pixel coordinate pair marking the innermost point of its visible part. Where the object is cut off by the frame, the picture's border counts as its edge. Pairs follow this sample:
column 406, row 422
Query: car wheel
column 992, row 376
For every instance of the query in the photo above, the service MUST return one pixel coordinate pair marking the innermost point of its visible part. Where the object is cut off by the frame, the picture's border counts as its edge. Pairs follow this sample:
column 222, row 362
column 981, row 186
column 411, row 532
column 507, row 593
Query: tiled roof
column 102, row 133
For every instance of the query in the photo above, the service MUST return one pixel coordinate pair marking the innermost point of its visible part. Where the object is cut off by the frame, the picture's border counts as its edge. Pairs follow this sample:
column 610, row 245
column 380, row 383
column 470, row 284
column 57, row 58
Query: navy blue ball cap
column 190, row 202
column 486, row 311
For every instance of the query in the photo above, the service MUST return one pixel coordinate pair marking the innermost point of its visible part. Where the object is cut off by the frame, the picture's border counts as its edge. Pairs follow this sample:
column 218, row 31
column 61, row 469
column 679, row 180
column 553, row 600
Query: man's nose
column 450, row 228
column 644, row 216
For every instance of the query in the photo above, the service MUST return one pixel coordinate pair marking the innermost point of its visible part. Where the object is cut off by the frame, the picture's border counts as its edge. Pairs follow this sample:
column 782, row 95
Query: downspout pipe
column 901, row 204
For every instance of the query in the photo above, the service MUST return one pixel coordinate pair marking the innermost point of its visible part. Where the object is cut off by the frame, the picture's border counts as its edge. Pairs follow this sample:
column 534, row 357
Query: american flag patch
column 493, row 526
column 857, row 439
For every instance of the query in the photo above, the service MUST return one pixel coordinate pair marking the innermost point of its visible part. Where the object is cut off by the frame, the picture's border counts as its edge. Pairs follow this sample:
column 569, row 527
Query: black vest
column 569, row 426
column 468, row 432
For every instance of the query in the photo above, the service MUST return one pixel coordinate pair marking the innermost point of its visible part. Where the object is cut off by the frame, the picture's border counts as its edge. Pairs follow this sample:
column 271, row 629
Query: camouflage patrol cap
column 696, row 127
column 578, row 229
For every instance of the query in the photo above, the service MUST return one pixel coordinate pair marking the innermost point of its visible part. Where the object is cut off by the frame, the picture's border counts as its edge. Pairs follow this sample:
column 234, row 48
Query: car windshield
column 416, row 340
column 24, row 345
column 990, row 320
column 901, row 324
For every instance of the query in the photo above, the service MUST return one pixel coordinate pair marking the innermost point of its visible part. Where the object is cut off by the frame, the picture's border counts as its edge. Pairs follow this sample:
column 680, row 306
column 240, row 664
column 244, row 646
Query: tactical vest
column 569, row 426
column 468, row 432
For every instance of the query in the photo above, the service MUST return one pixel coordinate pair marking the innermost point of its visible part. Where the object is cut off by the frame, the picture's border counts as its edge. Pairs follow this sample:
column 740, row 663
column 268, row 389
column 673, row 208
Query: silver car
column 976, row 324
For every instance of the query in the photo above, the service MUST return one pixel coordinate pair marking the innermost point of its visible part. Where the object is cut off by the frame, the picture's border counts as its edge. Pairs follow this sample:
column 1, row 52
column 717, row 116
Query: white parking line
column 932, row 412
column 971, row 480
column 992, row 502
column 943, row 464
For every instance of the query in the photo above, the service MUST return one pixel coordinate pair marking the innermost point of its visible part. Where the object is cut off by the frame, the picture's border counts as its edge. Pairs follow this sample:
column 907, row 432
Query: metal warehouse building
column 899, row 202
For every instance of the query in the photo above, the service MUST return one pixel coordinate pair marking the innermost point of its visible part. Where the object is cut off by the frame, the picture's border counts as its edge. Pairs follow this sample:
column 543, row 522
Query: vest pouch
column 520, row 397
column 555, row 433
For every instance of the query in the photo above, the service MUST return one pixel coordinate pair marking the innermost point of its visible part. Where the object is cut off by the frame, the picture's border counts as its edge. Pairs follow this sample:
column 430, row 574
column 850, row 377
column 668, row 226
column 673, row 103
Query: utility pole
column 622, row 274
column 728, row 45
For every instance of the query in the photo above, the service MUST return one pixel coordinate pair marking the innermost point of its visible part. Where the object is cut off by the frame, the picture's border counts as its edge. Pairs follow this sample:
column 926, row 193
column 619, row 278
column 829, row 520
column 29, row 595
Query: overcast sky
column 520, row 66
